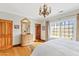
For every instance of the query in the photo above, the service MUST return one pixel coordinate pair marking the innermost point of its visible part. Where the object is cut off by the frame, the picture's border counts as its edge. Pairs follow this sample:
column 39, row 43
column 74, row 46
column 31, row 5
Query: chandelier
column 44, row 10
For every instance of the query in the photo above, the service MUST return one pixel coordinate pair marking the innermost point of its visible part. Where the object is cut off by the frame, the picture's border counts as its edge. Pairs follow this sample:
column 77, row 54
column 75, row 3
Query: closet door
column 8, row 34
column 5, row 34
column 3, row 38
column 2, row 34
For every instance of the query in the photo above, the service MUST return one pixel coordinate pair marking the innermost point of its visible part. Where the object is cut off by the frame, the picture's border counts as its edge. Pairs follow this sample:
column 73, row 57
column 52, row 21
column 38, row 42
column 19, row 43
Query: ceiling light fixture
column 44, row 10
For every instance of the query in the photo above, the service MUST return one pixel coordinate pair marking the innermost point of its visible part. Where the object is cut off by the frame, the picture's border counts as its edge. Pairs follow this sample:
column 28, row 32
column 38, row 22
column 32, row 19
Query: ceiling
column 31, row 10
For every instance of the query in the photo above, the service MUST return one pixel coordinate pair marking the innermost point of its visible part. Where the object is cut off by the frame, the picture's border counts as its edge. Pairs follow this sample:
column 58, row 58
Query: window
column 56, row 30
column 64, row 29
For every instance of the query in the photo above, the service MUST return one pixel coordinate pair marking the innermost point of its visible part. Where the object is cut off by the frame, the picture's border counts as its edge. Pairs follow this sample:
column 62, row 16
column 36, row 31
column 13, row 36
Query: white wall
column 16, row 21
column 43, row 32
column 32, row 28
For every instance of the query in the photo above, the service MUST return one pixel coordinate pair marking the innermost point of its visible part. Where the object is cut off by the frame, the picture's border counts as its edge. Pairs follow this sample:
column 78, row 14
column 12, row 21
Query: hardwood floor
column 39, row 40
column 20, row 51
column 16, row 51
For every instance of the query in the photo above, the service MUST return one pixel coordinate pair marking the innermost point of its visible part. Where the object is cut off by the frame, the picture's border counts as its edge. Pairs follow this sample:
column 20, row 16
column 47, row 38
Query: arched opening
column 25, row 26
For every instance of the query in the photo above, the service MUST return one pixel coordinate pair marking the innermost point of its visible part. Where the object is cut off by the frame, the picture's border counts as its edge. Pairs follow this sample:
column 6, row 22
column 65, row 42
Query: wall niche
column 25, row 26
